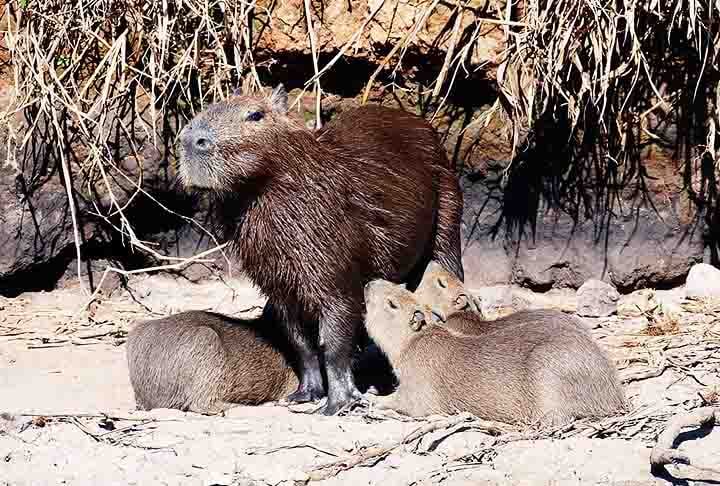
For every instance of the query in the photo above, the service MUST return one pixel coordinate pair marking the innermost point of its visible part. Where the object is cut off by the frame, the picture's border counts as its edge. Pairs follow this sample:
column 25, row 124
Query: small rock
column 637, row 303
column 703, row 282
column 596, row 298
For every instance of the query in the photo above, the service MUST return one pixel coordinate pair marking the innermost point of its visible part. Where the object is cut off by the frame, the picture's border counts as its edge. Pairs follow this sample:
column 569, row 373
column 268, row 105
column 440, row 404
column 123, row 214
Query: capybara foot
column 306, row 393
column 336, row 404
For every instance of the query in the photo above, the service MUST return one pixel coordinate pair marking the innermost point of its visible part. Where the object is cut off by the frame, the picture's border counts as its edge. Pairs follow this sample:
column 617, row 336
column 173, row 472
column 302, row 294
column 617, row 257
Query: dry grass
column 97, row 80
column 612, row 69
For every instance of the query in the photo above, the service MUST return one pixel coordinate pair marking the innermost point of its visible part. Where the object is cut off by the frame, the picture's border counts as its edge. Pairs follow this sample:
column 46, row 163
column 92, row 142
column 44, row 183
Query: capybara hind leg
column 337, row 331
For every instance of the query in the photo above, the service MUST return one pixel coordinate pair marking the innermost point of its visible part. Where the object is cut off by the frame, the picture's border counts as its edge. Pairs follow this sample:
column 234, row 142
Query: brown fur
column 315, row 216
column 205, row 362
column 541, row 368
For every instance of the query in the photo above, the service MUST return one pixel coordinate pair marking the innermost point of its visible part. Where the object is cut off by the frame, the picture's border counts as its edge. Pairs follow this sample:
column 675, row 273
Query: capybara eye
column 392, row 304
column 255, row 116
column 442, row 283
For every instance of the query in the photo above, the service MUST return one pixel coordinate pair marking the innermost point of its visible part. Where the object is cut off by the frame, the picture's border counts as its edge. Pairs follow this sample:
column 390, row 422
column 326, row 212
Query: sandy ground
column 69, row 413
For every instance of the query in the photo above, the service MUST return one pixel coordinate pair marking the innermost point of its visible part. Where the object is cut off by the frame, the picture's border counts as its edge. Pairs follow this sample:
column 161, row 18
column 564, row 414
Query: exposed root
column 663, row 453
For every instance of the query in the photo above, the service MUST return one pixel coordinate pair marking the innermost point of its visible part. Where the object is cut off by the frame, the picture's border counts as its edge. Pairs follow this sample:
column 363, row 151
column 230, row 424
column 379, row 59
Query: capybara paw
column 304, row 395
column 335, row 405
column 388, row 402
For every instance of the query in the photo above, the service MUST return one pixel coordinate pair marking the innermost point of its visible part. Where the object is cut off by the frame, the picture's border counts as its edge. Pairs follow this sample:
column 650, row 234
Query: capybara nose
column 197, row 140
column 371, row 286
column 439, row 316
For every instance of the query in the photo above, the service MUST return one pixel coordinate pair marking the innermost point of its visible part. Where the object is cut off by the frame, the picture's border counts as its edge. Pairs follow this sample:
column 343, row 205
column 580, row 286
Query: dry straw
column 95, row 75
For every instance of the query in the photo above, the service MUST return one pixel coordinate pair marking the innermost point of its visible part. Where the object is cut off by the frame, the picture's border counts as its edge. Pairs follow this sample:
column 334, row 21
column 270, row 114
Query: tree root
column 663, row 453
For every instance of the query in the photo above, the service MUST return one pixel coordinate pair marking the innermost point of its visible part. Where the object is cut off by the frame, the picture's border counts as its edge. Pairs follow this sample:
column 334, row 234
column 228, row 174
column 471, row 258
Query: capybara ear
column 417, row 321
column 462, row 302
column 279, row 99
column 478, row 306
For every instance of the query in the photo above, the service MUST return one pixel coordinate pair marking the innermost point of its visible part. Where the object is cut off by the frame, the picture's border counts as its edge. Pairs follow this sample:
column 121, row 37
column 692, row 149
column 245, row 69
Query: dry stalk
column 313, row 49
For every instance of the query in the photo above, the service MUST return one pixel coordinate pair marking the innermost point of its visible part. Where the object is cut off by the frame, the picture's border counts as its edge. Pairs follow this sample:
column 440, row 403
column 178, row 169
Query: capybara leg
column 311, row 386
column 373, row 372
column 337, row 333
column 307, row 362
column 446, row 249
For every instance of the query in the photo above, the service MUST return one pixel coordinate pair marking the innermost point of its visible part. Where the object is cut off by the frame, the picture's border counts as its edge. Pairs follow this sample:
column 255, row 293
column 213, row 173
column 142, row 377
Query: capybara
column 204, row 362
column 313, row 216
column 445, row 293
column 545, row 371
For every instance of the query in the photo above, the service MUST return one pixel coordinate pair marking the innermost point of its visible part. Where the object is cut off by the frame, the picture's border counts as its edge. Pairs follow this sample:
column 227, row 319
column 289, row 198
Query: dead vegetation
column 96, row 81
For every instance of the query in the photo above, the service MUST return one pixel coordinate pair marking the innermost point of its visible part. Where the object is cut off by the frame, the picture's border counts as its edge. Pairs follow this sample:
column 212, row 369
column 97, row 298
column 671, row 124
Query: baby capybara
column 543, row 370
column 205, row 362
column 445, row 293
column 313, row 216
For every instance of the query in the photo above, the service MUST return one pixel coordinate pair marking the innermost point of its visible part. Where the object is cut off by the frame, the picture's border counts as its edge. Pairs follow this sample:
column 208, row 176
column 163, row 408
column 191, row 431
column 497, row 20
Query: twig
column 663, row 453
column 76, row 422
column 71, row 203
column 252, row 452
column 378, row 453
column 644, row 375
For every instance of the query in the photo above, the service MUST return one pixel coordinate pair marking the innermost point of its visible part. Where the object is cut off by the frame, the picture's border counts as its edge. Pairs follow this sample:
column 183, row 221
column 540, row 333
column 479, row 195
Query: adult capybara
column 315, row 216
column 205, row 362
column 542, row 371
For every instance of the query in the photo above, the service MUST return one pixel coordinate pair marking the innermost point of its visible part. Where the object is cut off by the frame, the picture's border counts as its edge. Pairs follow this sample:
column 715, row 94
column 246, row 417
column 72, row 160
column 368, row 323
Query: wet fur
column 314, row 216
column 533, row 366
column 205, row 362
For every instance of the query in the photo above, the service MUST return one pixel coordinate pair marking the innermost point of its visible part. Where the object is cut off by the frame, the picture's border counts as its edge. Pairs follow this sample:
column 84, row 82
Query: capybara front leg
column 337, row 330
column 306, row 355
column 311, row 386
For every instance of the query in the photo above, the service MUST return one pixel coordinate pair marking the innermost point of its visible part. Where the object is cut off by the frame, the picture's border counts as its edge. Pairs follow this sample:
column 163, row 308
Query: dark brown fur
column 539, row 367
column 206, row 362
column 315, row 216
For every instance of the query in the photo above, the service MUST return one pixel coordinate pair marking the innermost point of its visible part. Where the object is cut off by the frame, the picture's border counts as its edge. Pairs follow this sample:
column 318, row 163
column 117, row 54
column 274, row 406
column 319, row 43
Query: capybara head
column 227, row 143
column 444, row 293
column 394, row 317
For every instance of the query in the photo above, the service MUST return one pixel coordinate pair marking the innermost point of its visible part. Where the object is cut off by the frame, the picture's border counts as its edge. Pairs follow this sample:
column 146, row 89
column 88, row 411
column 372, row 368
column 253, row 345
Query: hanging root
column 663, row 452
